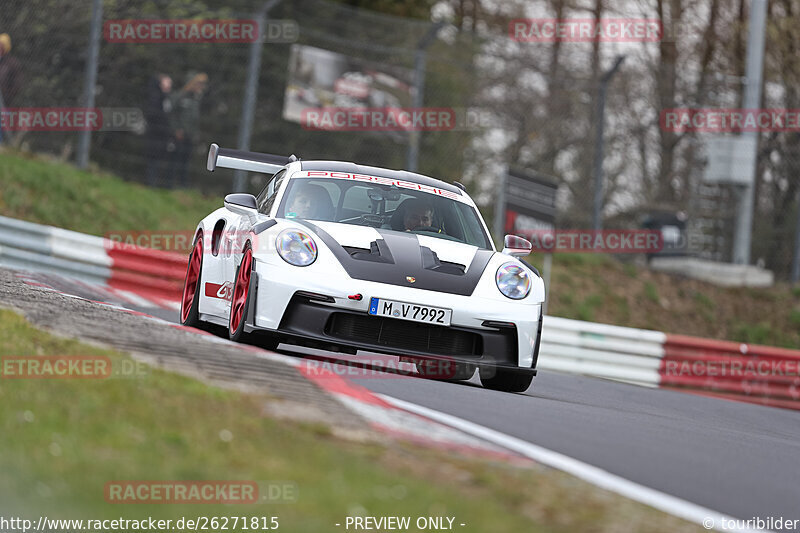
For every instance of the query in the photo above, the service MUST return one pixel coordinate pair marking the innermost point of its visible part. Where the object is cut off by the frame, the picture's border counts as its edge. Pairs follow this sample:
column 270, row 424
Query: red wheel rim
column 240, row 291
column 192, row 277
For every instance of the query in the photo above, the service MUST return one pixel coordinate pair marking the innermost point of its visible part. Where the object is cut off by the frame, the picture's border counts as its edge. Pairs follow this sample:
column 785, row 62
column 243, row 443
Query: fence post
column 85, row 138
column 796, row 254
column 752, row 99
column 251, row 93
column 599, row 148
column 500, row 207
column 420, row 59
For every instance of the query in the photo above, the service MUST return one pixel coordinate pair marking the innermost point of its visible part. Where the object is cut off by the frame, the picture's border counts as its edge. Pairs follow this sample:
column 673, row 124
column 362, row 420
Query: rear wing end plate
column 247, row 161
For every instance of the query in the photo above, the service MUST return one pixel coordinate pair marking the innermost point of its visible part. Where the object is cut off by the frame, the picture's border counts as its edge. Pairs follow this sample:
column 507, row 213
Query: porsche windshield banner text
column 381, row 181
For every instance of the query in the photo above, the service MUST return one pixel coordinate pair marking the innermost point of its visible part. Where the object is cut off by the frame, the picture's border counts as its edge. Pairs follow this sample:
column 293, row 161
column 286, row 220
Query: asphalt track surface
column 738, row 459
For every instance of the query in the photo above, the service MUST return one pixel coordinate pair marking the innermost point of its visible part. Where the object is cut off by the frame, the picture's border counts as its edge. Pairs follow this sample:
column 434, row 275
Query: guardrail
column 744, row 372
column 613, row 352
column 154, row 274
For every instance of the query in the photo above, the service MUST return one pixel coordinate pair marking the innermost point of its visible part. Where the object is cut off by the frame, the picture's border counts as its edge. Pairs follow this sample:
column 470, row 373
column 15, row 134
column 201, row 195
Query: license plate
column 407, row 311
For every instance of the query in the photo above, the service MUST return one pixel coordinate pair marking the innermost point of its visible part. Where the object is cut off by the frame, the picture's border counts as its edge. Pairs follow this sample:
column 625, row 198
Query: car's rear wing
column 248, row 161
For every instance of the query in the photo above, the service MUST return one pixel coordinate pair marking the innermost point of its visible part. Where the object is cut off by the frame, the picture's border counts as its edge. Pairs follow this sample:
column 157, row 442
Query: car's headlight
column 296, row 248
column 513, row 281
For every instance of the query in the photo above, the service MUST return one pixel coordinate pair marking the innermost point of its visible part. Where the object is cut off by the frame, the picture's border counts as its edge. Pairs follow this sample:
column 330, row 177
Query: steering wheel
column 371, row 220
column 430, row 229
column 440, row 234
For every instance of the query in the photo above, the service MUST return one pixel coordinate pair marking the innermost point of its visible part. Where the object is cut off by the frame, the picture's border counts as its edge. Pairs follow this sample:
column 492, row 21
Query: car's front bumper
column 484, row 331
column 307, row 320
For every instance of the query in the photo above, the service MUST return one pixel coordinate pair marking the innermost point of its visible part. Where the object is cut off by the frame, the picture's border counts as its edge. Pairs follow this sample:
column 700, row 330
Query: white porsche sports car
column 346, row 257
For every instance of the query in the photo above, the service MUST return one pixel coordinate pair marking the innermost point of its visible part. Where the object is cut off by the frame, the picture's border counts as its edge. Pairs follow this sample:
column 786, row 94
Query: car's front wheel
column 241, row 296
column 240, row 303
column 505, row 380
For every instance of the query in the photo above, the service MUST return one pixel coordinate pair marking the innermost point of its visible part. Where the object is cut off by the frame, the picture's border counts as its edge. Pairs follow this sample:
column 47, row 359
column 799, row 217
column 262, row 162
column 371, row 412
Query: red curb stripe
column 336, row 384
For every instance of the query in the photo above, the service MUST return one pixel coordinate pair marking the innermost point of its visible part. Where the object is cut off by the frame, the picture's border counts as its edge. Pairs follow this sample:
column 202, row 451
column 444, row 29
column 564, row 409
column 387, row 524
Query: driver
column 310, row 201
column 419, row 214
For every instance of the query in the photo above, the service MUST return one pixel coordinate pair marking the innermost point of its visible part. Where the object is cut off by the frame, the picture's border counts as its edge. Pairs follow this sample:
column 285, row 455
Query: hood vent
column 431, row 261
column 378, row 252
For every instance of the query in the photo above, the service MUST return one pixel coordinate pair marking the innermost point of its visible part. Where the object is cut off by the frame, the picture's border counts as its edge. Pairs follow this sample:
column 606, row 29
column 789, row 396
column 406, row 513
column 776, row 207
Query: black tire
column 445, row 370
column 191, row 317
column 505, row 380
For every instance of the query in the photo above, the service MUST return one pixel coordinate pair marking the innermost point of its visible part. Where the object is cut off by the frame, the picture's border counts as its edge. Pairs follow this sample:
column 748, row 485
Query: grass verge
column 50, row 192
column 63, row 440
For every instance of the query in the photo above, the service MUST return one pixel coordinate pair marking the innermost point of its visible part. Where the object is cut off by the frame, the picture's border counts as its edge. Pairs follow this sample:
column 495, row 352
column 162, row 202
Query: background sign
column 321, row 79
column 530, row 202
column 730, row 160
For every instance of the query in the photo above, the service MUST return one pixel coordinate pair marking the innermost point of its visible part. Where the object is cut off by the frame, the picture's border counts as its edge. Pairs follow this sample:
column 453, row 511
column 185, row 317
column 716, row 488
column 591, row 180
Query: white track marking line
column 596, row 476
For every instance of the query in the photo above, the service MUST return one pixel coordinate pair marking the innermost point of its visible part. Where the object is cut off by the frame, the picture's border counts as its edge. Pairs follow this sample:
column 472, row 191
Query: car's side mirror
column 242, row 204
column 516, row 246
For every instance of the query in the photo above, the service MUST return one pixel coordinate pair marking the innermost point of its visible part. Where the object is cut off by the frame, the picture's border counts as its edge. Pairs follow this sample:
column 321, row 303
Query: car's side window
column 262, row 196
column 267, row 196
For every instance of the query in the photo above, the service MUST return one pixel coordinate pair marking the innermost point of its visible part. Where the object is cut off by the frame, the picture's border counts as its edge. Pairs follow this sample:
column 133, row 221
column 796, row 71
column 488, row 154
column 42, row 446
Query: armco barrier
column 157, row 275
column 757, row 374
column 154, row 274
column 613, row 352
column 751, row 373
column 746, row 372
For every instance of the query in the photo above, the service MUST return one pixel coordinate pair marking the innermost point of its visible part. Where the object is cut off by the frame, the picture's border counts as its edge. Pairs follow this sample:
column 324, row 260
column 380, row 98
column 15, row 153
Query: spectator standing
column 185, row 123
column 157, row 115
column 10, row 75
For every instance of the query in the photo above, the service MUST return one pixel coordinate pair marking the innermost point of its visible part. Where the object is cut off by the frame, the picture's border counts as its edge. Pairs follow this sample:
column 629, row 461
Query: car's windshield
column 365, row 203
